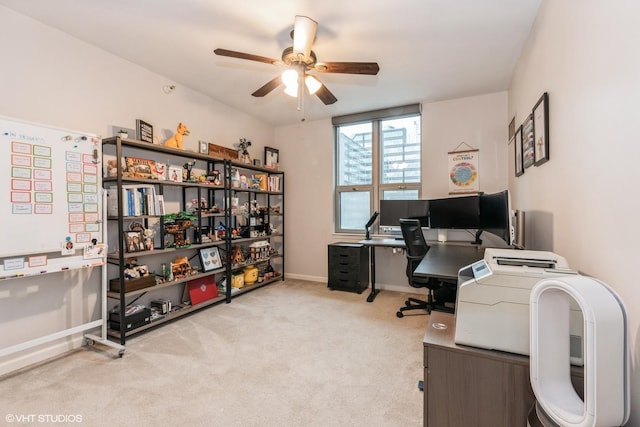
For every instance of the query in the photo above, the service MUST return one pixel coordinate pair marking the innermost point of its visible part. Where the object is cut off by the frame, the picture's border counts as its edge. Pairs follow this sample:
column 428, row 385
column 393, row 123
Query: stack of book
column 137, row 200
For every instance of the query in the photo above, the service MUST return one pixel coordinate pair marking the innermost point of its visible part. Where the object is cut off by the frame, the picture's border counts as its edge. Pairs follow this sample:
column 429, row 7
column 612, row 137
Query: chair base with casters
column 416, row 248
column 428, row 305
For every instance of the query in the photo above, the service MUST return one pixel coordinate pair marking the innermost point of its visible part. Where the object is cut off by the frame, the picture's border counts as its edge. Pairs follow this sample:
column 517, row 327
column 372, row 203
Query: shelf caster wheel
column 121, row 353
column 89, row 341
column 400, row 315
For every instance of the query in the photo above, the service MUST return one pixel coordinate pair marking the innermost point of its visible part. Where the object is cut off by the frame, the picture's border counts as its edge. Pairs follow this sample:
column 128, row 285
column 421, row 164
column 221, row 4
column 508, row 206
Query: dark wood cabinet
column 467, row 386
column 348, row 267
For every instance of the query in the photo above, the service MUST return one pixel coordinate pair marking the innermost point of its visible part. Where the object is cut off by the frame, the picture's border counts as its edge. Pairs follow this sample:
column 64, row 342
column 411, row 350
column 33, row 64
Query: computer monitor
column 455, row 212
column 495, row 215
column 392, row 210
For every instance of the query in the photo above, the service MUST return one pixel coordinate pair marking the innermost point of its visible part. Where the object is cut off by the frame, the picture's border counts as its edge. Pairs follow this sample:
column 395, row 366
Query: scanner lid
column 526, row 258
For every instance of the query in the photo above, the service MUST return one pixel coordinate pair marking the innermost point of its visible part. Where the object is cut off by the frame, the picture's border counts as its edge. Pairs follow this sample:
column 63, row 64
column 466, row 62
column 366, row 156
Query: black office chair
column 416, row 249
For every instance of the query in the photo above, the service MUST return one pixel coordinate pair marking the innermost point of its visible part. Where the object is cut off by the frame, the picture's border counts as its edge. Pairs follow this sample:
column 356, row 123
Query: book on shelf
column 160, row 205
column 137, row 200
column 112, row 201
column 273, row 183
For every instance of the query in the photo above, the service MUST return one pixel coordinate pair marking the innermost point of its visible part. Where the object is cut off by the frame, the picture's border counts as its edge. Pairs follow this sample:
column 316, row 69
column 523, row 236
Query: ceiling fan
column 299, row 59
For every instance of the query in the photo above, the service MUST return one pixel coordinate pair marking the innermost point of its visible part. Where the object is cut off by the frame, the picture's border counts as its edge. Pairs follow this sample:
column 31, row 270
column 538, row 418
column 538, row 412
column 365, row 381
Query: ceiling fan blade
column 271, row 85
column 325, row 95
column 304, row 33
column 370, row 68
column 250, row 57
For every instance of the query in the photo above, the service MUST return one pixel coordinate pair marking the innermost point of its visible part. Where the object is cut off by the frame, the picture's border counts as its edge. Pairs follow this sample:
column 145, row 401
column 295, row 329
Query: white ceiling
column 428, row 50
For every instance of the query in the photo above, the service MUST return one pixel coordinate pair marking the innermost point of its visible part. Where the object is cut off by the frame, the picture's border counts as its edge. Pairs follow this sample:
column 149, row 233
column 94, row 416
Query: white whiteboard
column 50, row 189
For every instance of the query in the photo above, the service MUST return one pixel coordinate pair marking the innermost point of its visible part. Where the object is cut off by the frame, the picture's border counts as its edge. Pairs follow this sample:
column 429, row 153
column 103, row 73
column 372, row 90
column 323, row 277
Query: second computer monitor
column 392, row 210
column 455, row 212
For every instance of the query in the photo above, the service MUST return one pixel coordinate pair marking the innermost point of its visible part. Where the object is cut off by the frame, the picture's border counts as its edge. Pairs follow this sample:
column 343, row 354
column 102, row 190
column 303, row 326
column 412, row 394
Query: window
column 378, row 156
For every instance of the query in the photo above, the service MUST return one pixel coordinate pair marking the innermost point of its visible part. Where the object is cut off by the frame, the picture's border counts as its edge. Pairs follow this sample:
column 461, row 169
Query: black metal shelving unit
column 118, row 257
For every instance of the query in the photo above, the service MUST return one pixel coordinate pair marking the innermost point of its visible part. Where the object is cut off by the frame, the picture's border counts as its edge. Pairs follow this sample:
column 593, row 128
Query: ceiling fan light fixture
column 290, row 77
column 291, row 90
column 299, row 58
column 304, row 33
column 313, row 84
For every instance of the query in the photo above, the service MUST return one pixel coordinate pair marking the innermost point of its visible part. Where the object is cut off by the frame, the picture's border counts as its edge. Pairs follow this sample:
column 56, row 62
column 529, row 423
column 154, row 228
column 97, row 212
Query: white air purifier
column 606, row 354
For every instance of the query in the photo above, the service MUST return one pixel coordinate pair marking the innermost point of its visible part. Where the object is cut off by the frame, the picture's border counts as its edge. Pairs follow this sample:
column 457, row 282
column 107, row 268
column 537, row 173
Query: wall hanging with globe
column 463, row 171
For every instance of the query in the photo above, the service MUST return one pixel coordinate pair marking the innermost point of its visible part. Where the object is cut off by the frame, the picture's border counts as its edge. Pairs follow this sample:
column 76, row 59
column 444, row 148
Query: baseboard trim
column 381, row 286
column 33, row 357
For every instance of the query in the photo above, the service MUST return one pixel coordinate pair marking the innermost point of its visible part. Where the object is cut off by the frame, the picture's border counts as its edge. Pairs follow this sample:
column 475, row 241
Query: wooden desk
column 467, row 386
column 443, row 260
column 372, row 244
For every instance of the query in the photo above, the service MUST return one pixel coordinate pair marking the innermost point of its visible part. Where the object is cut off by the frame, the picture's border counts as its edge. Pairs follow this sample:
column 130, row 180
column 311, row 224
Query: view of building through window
column 376, row 159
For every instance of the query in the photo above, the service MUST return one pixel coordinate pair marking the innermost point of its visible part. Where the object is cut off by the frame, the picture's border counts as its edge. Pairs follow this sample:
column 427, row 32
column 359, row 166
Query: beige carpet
column 290, row 354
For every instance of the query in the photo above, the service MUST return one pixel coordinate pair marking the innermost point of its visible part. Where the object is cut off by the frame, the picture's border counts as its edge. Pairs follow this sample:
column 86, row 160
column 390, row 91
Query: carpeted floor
column 290, row 354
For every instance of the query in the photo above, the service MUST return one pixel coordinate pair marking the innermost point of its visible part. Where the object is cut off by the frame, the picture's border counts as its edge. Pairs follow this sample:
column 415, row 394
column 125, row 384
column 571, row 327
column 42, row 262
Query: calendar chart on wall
column 50, row 194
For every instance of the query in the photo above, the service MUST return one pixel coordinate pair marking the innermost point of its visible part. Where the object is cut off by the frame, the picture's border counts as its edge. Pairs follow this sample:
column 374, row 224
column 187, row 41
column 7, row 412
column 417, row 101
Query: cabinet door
column 466, row 390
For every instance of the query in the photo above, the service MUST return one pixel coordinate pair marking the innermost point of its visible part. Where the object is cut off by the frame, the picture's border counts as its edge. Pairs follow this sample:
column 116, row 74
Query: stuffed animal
column 176, row 140
column 112, row 169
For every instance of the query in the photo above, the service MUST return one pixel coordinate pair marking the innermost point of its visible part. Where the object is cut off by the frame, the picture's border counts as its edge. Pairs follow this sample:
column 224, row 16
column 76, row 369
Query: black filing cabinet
column 348, row 267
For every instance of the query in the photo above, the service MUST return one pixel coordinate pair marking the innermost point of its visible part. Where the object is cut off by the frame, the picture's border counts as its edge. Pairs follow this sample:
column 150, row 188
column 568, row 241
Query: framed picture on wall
column 527, row 142
column 541, row 130
column 512, row 127
column 517, row 142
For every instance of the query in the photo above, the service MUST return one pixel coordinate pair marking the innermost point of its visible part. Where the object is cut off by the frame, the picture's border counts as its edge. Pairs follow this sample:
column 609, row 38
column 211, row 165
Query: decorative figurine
column 244, row 154
column 176, row 140
column 214, row 177
column 187, row 167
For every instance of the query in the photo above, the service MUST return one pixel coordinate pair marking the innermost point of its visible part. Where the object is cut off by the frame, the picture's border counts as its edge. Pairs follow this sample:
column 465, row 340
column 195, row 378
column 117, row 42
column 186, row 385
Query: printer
column 492, row 303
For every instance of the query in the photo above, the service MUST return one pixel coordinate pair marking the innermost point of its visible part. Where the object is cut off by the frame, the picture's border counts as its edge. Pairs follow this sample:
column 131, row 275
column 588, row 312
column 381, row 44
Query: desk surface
column 443, row 261
column 440, row 333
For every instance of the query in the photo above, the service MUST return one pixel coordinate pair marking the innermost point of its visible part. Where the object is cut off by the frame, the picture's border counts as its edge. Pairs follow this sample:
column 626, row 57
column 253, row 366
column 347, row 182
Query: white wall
column 583, row 203
column 306, row 152
column 51, row 78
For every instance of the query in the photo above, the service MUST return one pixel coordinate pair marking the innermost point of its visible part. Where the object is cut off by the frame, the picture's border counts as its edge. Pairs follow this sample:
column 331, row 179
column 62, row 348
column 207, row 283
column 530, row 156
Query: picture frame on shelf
column 271, row 158
column 137, row 167
column 161, row 169
column 517, row 142
column 210, row 258
column 204, row 147
column 541, row 130
column 144, row 131
column 174, row 173
column 134, row 241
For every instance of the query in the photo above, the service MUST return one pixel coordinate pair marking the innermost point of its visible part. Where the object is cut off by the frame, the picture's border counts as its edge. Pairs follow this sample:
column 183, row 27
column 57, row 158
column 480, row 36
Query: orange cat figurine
column 176, row 140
